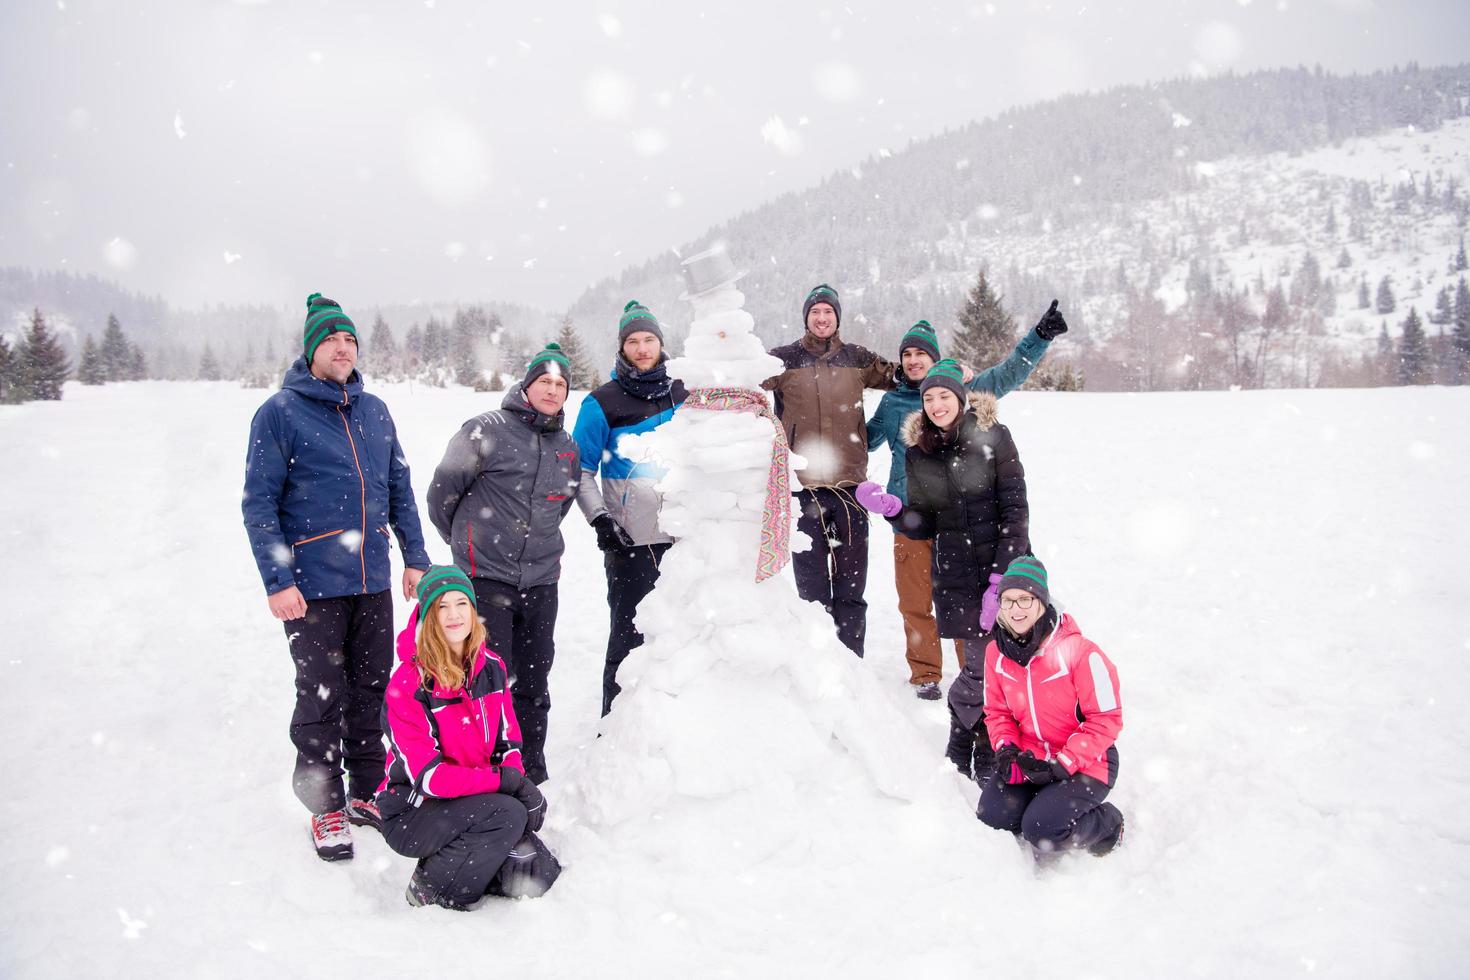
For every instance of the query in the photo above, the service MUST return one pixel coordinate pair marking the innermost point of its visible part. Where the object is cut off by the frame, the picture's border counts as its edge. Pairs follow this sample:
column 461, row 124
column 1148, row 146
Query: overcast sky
column 438, row 149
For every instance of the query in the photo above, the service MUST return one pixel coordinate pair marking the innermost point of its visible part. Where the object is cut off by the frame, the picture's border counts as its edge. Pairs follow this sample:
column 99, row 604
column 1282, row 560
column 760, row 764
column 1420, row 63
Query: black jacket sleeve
column 1010, row 492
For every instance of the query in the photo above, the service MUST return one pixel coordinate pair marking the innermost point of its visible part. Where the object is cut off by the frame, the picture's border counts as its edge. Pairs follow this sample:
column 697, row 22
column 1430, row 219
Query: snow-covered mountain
column 1148, row 206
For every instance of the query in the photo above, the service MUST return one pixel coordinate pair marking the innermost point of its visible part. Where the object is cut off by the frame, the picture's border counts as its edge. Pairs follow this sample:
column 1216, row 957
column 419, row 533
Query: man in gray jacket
column 507, row 479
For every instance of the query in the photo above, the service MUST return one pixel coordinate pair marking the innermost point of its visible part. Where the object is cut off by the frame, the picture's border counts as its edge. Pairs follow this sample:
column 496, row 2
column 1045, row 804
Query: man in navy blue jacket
column 325, row 480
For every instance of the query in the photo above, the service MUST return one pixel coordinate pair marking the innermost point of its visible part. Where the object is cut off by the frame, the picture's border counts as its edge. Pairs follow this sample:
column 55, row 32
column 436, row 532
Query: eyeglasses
column 1025, row 602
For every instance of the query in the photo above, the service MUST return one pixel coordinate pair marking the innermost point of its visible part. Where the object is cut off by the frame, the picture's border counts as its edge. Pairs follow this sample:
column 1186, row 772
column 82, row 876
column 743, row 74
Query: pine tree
column 412, row 356
column 90, row 370
column 384, row 348
column 584, row 375
column 435, row 348
column 1414, row 364
column 116, row 355
column 1442, row 314
column 137, row 368
column 1384, row 302
column 464, row 340
column 1331, row 224
column 1386, row 360
column 45, row 366
column 1363, row 298
column 986, row 332
column 10, row 387
column 1460, row 265
column 1306, row 285
column 208, row 365
column 1460, row 337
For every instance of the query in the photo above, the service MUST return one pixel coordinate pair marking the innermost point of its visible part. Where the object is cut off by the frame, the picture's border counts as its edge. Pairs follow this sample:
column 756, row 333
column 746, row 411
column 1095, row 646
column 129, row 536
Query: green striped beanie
column 440, row 579
column 821, row 294
column 636, row 318
column 1026, row 573
column 920, row 336
column 323, row 317
column 945, row 374
column 551, row 360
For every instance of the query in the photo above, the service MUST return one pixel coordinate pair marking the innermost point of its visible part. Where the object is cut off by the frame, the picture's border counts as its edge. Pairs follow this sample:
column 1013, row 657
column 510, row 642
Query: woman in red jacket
column 1053, row 709
column 455, row 794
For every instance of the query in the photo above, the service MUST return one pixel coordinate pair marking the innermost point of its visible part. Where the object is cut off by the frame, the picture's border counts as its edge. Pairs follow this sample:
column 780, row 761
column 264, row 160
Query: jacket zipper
column 531, row 513
column 362, row 485
column 1031, row 697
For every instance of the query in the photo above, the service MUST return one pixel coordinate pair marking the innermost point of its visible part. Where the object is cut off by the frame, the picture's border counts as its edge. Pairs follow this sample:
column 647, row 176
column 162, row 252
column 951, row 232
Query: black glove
column 510, row 780
column 610, row 534
column 1004, row 757
column 961, row 747
column 1051, row 325
column 535, row 804
column 514, row 783
column 1039, row 772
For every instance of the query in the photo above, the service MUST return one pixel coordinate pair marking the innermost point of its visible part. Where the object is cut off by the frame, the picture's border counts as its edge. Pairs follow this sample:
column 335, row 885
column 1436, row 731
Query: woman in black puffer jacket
column 967, row 492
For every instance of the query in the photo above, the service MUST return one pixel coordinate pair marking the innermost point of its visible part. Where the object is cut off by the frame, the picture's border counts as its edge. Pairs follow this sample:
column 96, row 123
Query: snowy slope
column 1274, row 573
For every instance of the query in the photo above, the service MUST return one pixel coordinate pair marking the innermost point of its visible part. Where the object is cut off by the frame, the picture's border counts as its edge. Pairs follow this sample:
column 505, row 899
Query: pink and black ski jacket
column 1065, row 704
column 444, row 742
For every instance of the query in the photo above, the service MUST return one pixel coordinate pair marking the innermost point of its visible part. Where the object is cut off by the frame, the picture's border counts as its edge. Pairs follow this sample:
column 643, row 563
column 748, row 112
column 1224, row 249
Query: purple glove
column 872, row 497
column 990, row 603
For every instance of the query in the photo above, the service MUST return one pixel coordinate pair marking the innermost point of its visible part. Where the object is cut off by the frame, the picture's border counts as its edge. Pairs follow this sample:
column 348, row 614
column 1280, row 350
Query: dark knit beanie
column 920, row 336
column 550, row 360
column 822, row 294
column 440, row 579
column 945, row 374
column 636, row 319
column 1027, row 573
column 323, row 318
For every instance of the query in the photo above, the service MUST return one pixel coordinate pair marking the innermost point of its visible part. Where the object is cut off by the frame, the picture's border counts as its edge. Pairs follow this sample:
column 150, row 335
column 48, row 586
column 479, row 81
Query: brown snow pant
column 913, row 561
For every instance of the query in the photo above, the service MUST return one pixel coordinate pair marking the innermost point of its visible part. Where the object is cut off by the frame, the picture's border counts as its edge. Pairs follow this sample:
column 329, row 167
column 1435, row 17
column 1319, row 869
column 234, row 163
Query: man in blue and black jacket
column 624, row 512
column 325, row 481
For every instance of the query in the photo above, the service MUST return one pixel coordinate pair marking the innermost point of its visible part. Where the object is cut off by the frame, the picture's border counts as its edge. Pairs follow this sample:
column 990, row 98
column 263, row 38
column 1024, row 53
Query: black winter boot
column 961, row 747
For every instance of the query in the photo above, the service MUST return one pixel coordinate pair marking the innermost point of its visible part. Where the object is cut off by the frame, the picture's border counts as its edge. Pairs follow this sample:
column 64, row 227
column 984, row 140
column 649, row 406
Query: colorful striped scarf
column 775, row 548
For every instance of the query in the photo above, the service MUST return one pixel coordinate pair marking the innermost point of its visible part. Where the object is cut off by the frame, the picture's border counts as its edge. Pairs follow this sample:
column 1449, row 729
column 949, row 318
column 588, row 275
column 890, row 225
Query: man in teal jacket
column 918, row 350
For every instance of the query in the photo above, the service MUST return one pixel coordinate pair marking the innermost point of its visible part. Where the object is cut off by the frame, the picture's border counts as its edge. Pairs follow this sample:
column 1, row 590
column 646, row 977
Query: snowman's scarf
column 775, row 549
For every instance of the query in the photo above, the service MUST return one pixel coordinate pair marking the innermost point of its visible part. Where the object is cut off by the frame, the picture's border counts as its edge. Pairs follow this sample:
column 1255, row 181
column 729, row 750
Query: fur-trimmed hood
column 980, row 406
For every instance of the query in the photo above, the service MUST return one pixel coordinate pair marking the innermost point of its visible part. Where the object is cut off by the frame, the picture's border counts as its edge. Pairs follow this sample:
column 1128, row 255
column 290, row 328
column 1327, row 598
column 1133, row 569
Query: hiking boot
column 364, row 813
column 419, row 894
column 331, row 836
column 928, row 691
column 1109, row 843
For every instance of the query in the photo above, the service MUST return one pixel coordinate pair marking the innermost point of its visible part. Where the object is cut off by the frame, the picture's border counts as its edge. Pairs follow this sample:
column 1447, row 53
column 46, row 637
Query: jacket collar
column 300, row 380
column 516, row 404
column 1022, row 649
column 821, row 348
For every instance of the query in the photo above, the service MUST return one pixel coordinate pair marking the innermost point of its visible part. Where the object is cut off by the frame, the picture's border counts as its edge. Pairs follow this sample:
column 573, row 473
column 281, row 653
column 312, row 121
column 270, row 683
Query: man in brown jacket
column 819, row 399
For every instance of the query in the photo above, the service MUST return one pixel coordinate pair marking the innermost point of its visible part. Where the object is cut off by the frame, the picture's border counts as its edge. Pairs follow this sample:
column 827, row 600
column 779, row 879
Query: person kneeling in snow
column 455, row 795
column 1053, row 710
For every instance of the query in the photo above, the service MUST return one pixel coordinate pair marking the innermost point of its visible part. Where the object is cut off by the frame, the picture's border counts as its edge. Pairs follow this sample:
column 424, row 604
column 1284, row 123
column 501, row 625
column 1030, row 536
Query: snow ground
column 1277, row 574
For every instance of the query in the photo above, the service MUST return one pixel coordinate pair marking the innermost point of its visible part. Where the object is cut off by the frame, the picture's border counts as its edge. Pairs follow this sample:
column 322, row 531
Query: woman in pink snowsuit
column 455, row 794
column 1053, row 709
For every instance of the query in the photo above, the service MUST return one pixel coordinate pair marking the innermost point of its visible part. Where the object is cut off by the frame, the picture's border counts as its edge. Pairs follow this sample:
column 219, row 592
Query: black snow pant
column 1053, row 817
column 460, row 843
column 520, row 625
column 834, row 571
column 343, row 651
column 631, row 574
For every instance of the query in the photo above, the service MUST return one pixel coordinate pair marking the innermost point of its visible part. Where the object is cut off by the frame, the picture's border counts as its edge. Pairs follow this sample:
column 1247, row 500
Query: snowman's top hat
column 708, row 271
